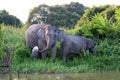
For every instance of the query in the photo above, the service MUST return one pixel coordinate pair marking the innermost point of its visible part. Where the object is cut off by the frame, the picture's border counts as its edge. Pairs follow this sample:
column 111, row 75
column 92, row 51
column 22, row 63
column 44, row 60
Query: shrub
column 100, row 27
column 21, row 52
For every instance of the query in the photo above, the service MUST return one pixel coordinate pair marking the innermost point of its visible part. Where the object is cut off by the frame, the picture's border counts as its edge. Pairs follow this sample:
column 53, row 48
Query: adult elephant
column 43, row 36
column 75, row 44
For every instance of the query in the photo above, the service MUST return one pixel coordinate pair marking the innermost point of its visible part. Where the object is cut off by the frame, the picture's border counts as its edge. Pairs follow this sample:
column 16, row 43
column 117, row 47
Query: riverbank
column 100, row 75
column 78, row 64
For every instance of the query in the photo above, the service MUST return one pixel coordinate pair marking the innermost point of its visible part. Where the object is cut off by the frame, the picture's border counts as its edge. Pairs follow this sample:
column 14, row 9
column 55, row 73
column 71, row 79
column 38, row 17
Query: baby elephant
column 76, row 44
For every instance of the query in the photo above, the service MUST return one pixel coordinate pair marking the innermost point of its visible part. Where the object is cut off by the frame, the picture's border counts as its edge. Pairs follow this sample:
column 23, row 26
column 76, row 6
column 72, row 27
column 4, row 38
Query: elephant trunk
column 48, row 42
column 93, row 51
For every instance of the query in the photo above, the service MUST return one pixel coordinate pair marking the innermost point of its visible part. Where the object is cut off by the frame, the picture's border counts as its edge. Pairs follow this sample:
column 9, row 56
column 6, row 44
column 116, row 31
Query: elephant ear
column 90, row 43
column 41, row 34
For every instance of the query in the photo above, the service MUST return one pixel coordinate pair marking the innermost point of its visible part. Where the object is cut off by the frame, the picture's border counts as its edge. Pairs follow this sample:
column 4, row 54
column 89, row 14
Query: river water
column 110, row 75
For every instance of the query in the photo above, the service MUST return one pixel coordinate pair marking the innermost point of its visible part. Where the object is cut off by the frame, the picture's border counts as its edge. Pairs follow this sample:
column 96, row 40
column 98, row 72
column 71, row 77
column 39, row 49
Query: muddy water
column 67, row 76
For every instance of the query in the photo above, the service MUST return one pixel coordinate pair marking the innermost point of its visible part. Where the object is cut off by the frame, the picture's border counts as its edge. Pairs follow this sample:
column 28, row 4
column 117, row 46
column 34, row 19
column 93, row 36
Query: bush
column 100, row 27
column 108, row 47
column 21, row 53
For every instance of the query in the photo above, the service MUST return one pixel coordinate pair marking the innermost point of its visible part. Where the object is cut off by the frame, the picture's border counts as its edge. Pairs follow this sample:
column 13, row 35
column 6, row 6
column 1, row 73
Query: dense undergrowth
column 107, row 58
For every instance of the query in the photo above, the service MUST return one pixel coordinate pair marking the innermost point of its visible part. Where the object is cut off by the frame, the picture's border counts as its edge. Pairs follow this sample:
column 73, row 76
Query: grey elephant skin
column 43, row 36
column 76, row 45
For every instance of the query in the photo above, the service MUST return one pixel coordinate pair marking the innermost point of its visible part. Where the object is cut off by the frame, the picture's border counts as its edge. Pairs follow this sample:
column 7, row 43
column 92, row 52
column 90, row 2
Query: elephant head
column 91, row 46
column 61, row 35
column 50, row 37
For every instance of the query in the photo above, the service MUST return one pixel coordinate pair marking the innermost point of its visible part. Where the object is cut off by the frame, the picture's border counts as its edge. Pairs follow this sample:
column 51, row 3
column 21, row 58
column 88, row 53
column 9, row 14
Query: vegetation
column 8, row 19
column 59, row 15
column 99, row 27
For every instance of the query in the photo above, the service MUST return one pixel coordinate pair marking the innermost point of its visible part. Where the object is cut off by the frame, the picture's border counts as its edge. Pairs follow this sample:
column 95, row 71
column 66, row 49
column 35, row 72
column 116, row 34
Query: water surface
column 110, row 75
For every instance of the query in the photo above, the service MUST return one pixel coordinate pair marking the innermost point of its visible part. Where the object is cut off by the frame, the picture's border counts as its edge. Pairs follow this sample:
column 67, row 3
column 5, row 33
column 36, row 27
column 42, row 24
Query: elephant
column 43, row 36
column 76, row 44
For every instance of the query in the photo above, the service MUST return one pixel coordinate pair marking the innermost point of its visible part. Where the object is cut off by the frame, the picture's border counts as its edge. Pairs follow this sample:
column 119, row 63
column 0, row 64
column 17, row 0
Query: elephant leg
column 54, row 50
column 39, row 55
column 65, row 54
column 64, row 57
column 44, row 55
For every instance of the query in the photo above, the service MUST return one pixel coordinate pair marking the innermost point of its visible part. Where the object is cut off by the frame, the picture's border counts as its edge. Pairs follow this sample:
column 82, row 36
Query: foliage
column 107, row 10
column 8, row 19
column 58, row 15
column 0, row 35
column 110, row 13
column 75, row 7
column 38, row 14
column 21, row 52
column 117, row 15
column 99, row 27
column 95, row 10
column 12, row 37
column 61, row 17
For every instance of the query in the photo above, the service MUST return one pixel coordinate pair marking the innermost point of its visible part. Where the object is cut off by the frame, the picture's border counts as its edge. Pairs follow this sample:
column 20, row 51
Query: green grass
column 80, row 64
column 108, row 55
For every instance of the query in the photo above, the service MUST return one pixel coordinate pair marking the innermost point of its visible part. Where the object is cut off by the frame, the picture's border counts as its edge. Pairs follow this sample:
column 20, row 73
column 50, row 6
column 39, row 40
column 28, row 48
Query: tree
column 8, row 19
column 75, row 7
column 39, row 14
column 58, row 15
